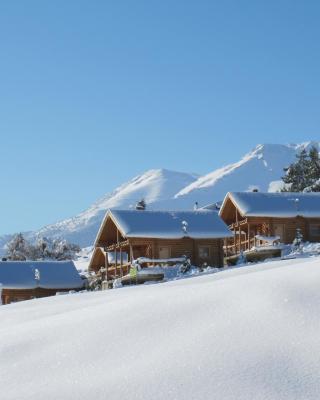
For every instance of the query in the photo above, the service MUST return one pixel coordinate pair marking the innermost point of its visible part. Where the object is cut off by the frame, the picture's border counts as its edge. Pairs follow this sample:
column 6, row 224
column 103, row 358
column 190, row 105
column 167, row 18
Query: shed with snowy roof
column 252, row 215
column 126, row 235
column 24, row 280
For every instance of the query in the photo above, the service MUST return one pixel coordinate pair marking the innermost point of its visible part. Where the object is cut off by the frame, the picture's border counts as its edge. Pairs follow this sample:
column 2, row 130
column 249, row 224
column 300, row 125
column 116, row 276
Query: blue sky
column 93, row 93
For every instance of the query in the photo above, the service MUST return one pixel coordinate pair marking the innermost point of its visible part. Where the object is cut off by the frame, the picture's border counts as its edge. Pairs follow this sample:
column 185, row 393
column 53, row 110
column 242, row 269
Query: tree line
column 20, row 249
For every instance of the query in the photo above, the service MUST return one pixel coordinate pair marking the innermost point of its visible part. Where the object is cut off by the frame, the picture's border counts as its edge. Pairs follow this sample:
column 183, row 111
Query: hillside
column 261, row 168
column 243, row 333
column 154, row 186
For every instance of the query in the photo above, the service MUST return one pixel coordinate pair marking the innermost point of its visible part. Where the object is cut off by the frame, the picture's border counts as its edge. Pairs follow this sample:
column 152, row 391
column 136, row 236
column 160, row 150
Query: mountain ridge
column 261, row 168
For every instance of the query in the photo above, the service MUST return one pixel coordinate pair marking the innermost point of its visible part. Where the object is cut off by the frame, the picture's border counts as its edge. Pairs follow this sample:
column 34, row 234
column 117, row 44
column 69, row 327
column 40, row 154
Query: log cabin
column 25, row 280
column 251, row 216
column 126, row 235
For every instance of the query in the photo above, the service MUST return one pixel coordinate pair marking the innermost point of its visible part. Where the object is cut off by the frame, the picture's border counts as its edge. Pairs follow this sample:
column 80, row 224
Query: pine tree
column 304, row 173
column 314, row 169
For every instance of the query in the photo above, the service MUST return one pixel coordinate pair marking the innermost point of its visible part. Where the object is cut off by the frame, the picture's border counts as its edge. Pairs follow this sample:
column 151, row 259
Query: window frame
column 202, row 246
column 312, row 231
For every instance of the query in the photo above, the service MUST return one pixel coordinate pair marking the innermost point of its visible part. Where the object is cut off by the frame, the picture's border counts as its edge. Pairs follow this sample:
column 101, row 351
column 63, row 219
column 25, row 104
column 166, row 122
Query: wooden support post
column 255, row 239
column 239, row 234
column 116, row 254
column 116, row 262
column 106, row 265
column 248, row 236
column 131, row 253
column 121, row 271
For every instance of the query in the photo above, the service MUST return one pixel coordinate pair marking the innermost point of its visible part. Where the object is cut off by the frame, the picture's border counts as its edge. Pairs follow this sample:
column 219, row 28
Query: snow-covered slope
column 163, row 189
column 154, row 186
column 260, row 169
column 246, row 333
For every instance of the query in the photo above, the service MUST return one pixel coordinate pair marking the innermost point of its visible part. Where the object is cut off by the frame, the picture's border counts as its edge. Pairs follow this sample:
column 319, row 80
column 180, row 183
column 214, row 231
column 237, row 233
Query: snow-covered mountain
column 155, row 186
column 261, row 168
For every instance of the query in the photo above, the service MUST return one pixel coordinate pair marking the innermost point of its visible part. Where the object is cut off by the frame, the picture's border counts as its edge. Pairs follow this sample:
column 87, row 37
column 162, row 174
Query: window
column 279, row 230
column 204, row 252
column 314, row 230
column 164, row 252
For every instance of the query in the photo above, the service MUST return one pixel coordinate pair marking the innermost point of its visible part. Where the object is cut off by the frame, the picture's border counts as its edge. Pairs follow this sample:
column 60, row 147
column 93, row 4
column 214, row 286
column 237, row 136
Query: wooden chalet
column 255, row 216
column 25, row 280
column 126, row 235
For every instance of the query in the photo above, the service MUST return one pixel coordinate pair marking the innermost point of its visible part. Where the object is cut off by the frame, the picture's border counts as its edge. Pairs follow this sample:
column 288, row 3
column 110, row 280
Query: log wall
column 180, row 247
column 13, row 295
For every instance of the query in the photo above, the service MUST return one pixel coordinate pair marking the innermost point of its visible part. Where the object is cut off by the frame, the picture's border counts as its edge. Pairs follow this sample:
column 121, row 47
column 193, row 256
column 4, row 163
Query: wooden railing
column 238, row 224
column 237, row 246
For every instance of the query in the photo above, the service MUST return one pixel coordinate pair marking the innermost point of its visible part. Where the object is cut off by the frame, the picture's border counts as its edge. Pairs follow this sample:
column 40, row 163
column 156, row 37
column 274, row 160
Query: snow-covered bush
column 297, row 243
column 241, row 259
column 19, row 249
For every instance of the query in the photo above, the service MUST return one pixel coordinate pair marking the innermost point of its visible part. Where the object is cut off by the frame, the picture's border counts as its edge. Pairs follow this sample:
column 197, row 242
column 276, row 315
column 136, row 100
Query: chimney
column 195, row 206
column 255, row 190
column 141, row 205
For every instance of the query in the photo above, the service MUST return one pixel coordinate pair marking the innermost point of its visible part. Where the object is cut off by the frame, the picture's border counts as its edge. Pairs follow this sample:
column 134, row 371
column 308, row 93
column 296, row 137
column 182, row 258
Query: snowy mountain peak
column 261, row 168
column 154, row 186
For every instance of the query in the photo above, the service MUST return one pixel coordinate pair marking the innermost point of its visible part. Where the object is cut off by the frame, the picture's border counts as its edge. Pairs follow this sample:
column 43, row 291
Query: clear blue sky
column 93, row 93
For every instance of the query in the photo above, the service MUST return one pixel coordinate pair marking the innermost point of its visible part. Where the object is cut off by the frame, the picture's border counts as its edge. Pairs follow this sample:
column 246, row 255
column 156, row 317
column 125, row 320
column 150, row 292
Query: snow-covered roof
column 52, row 275
column 282, row 205
column 200, row 224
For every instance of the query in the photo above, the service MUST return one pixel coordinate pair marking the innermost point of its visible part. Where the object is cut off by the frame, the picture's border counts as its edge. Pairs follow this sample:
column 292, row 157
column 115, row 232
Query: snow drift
column 246, row 333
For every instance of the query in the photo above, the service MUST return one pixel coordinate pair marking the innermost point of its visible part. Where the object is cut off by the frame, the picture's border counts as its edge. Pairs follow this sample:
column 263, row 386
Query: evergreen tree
column 304, row 174
column 314, row 169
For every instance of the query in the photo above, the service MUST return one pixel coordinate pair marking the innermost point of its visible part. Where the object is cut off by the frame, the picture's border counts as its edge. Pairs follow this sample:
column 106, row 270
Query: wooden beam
column 106, row 265
column 115, row 246
column 116, row 260
column 121, row 271
column 131, row 253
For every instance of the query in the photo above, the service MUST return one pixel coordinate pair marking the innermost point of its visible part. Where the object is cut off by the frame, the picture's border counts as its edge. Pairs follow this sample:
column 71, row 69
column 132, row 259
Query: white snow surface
column 256, row 169
column 243, row 333
column 200, row 224
column 52, row 274
column 283, row 205
column 83, row 259
column 169, row 190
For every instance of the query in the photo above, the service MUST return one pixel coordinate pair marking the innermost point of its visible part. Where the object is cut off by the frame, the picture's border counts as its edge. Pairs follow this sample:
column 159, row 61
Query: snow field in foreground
column 244, row 333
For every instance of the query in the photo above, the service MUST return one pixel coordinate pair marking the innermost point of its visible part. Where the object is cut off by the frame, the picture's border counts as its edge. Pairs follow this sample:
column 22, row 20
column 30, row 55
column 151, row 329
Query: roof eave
column 102, row 226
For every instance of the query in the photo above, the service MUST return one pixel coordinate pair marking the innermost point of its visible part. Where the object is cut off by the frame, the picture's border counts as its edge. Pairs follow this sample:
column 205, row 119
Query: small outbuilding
column 255, row 216
column 24, row 280
column 126, row 235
